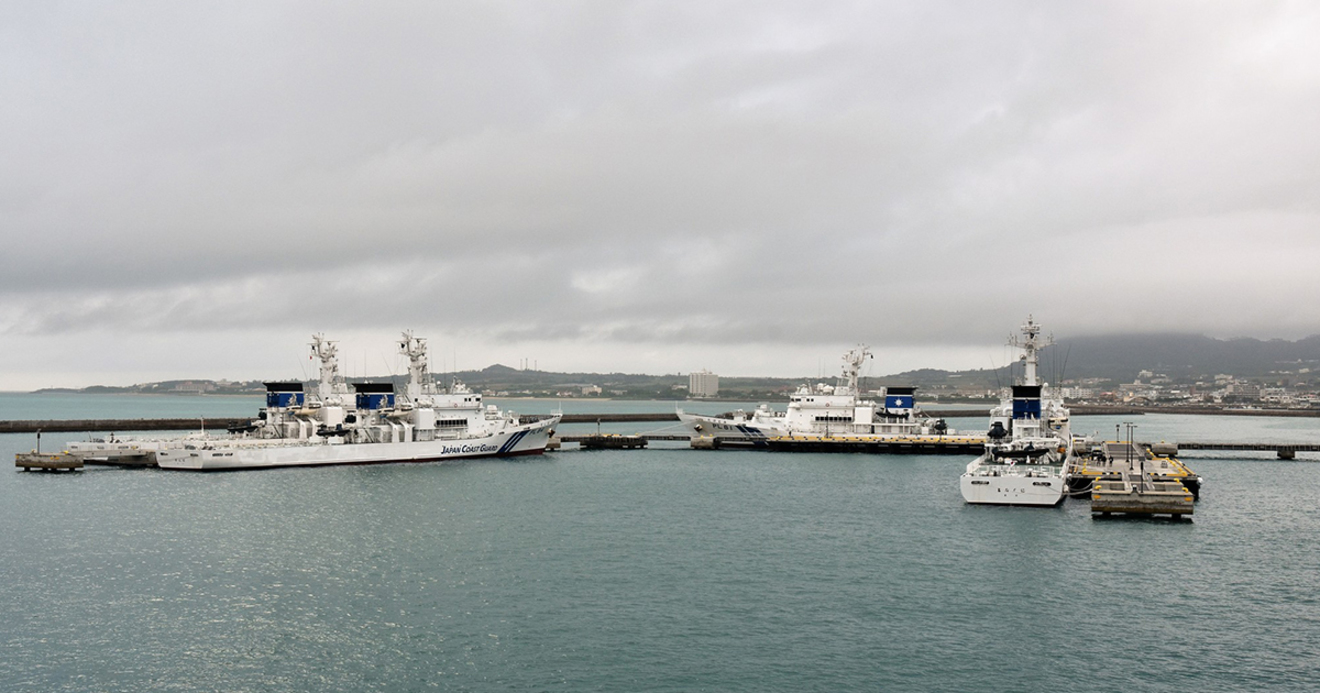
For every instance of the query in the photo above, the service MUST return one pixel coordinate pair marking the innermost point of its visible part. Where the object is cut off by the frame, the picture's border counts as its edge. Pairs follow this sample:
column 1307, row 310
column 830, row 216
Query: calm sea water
column 660, row 570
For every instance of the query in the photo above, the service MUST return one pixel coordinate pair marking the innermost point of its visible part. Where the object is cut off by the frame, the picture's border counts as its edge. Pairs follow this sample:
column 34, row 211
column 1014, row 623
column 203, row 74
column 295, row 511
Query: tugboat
column 825, row 411
column 1028, row 443
column 371, row 425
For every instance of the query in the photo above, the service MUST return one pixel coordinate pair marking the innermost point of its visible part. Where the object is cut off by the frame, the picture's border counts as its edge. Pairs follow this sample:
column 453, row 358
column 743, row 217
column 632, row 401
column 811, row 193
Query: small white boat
column 125, row 451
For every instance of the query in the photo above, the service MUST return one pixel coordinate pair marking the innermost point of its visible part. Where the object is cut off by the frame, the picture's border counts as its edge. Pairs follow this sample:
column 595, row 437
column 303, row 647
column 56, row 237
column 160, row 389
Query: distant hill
column 1183, row 355
column 1116, row 358
column 167, row 387
column 1120, row 358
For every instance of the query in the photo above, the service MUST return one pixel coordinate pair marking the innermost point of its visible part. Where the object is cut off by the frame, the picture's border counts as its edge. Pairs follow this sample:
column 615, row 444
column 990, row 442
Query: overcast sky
column 190, row 189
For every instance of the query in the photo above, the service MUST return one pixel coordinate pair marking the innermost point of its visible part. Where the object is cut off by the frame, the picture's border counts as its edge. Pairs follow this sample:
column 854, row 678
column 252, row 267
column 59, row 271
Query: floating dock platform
column 1134, row 494
column 1112, row 459
column 47, row 462
column 1133, row 479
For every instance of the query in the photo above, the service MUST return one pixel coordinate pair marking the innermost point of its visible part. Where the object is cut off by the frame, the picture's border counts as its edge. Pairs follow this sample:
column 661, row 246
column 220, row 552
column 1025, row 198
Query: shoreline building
column 703, row 383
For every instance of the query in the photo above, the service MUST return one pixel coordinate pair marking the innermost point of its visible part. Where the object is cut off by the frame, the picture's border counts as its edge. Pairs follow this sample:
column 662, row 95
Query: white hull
column 754, row 430
column 728, row 428
column 1026, row 484
column 529, row 439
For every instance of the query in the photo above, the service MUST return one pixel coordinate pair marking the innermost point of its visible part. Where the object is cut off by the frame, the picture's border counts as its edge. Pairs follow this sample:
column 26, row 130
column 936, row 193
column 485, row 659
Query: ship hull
column 712, row 426
column 1031, row 487
column 761, row 431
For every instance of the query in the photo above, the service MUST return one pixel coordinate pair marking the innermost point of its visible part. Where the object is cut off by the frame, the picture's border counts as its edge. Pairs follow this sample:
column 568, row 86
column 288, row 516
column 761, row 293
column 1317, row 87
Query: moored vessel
column 371, row 424
column 827, row 412
column 131, row 452
column 1028, row 443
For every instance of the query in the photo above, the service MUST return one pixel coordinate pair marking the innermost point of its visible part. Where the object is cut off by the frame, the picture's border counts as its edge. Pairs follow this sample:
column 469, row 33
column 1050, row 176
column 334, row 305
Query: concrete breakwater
column 218, row 423
column 78, row 425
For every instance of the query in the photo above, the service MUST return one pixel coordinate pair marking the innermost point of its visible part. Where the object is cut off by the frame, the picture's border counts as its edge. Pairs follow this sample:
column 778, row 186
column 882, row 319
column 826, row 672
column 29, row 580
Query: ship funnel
column 284, row 395
column 900, row 401
column 1026, row 401
column 372, row 396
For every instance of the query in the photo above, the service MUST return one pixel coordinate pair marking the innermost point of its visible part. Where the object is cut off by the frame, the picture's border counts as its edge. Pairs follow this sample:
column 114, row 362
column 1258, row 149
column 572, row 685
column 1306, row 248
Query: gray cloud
column 705, row 180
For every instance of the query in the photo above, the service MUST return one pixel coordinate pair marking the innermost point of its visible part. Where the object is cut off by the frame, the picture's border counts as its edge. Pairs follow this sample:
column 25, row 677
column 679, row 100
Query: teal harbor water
column 659, row 570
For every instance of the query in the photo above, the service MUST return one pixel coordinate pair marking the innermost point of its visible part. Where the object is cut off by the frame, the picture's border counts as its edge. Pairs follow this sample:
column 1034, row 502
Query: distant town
column 1151, row 389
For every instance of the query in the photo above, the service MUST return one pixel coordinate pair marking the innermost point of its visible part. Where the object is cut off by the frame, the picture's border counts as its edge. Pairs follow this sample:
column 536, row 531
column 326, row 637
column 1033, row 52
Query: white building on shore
column 703, row 384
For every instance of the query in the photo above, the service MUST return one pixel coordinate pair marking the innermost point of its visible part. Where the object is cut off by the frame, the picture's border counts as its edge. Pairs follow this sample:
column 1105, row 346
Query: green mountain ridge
column 1107, row 358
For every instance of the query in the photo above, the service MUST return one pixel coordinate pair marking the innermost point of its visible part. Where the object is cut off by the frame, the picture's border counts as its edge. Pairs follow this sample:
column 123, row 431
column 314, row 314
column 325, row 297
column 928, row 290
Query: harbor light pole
column 1131, row 465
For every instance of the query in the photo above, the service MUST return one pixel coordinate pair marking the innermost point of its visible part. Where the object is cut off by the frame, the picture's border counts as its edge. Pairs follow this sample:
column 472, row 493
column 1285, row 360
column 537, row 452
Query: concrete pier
column 612, row 441
column 1283, row 451
column 47, row 462
column 898, row 444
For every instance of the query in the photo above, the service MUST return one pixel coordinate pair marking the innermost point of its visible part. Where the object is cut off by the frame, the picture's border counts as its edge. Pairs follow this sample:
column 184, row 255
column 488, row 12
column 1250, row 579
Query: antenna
column 1053, row 363
column 1054, row 360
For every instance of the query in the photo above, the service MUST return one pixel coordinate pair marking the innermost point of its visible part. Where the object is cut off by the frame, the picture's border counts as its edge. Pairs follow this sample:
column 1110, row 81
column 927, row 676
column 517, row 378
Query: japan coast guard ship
column 370, row 425
column 1029, row 442
column 828, row 412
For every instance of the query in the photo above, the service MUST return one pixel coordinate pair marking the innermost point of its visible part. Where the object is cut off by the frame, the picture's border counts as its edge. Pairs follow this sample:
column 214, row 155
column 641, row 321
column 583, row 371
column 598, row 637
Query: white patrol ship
column 1028, row 443
column 370, row 425
column 825, row 411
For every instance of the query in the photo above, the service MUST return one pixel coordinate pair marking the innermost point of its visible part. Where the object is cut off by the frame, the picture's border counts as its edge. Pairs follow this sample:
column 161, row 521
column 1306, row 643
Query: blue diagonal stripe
column 512, row 441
